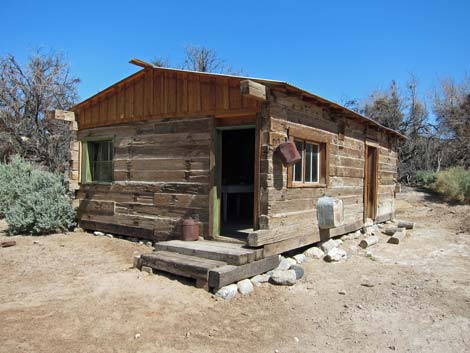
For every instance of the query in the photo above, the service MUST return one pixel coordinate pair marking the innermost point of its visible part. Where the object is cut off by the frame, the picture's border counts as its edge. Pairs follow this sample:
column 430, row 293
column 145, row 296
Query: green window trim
column 98, row 161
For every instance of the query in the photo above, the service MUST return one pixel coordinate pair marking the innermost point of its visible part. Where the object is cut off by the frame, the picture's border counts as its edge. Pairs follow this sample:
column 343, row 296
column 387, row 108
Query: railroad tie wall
column 290, row 212
column 161, row 176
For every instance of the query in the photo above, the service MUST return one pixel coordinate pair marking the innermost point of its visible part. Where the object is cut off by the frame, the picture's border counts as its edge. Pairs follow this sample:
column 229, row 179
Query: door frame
column 372, row 146
column 215, row 213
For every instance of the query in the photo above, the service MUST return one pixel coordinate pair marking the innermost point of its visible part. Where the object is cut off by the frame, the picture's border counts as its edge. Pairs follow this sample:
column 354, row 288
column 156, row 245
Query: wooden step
column 233, row 254
column 181, row 265
column 221, row 276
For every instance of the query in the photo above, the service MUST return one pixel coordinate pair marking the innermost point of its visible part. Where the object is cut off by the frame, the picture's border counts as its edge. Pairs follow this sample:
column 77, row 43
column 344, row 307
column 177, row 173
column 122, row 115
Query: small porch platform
column 213, row 264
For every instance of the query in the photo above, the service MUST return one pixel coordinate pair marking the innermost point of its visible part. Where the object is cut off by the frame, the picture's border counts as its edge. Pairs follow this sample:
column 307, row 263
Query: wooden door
column 370, row 183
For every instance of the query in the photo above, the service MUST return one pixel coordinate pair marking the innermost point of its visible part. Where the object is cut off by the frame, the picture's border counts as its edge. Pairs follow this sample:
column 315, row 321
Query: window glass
column 311, row 162
column 307, row 170
column 297, row 168
column 101, row 160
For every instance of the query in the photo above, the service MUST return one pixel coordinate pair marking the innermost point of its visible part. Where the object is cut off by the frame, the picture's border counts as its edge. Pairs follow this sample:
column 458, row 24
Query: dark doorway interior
column 370, row 199
column 237, row 180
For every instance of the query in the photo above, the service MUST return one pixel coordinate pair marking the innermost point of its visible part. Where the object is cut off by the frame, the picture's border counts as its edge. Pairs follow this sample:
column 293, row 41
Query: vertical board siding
column 161, row 176
column 152, row 94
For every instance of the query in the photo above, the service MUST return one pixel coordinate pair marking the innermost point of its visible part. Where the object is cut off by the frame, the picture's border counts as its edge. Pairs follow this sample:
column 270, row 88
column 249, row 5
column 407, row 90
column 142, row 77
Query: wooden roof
column 203, row 93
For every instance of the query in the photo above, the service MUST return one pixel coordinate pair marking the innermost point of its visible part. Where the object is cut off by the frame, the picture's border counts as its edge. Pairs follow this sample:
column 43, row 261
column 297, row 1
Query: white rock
column 368, row 223
column 149, row 243
column 245, row 287
column 353, row 235
column 371, row 231
column 285, row 278
column 299, row 258
column 335, row 254
column 314, row 252
column 227, row 292
column 257, row 280
column 109, row 235
column 330, row 244
column 285, row 264
column 97, row 233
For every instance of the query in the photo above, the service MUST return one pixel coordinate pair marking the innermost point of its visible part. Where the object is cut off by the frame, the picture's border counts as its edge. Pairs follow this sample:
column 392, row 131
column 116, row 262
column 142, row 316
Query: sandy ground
column 77, row 293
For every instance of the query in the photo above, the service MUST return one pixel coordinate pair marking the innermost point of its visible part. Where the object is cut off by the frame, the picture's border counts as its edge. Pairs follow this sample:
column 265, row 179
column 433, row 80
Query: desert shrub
column 33, row 201
column 454, row 184
column 425, row 178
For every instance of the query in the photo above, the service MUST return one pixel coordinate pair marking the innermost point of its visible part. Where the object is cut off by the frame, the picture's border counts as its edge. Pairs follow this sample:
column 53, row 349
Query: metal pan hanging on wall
column 289, row 153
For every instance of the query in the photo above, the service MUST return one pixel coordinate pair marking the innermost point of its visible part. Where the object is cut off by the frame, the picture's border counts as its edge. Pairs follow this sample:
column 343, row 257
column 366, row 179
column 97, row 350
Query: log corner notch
column 259, row 237
column 252, row 89
column 74, row 149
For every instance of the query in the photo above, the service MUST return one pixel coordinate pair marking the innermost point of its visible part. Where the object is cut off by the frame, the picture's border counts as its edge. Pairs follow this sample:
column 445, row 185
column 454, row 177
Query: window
column 98, row 161
column 311, row 169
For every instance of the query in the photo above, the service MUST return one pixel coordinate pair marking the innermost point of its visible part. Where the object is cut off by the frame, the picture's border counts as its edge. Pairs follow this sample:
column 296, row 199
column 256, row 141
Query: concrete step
column 232, row 254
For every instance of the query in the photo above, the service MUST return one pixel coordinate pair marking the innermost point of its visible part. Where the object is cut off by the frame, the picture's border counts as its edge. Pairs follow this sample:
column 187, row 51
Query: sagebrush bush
column 425, row 178
column 34, row 201
column 454, row 184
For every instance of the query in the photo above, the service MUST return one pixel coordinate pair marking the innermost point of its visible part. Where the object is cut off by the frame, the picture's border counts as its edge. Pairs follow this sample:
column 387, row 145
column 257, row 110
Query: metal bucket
column 190, row 230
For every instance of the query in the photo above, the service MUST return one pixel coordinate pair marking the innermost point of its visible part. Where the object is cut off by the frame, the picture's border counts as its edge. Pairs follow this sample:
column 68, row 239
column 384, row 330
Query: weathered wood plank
column 252, row 89
column 209, row 250
column 182, row 265
column 334, row 232
column 222, row 276
column 290, row 244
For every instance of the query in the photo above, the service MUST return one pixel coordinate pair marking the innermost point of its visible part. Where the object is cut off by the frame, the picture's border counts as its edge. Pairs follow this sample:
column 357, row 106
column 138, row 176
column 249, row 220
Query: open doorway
column 370, row 183
column 236, row 183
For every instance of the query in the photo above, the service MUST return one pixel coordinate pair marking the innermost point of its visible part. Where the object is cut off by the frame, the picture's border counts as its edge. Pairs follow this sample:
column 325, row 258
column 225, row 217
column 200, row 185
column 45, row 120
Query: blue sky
column 337, row 49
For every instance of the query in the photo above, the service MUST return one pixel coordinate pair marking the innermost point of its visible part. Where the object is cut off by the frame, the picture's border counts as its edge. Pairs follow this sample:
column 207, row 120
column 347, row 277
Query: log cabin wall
column 290, row 212
column 161, row 122
column 161, row 176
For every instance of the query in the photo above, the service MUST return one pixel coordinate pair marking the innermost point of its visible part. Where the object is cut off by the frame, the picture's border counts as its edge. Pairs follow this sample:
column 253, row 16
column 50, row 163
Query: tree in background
column 429, row 146
column 27, row 93
column 201, row 59
column 406, row 112
column 451, row 106
column 385, row 107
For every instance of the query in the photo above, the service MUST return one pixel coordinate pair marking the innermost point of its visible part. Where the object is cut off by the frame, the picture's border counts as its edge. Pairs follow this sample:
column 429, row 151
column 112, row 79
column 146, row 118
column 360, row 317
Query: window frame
column 303, row 154
column 86, row 165
column 322, row 164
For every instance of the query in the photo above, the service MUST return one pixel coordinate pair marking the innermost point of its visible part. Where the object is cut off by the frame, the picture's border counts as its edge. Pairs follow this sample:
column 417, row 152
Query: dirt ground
column 78, row 293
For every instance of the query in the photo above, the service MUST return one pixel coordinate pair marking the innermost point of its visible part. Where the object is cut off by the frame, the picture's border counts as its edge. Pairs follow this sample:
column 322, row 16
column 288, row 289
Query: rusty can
column 289, row 153
column 190, row 230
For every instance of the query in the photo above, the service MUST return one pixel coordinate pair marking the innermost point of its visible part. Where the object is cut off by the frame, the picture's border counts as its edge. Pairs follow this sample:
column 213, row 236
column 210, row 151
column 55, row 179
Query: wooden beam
column 334, row 232
column 221, row 276
column 253, row 89
column 140, row 63
column 290, row 244
column 260, row 237
column 383, row 218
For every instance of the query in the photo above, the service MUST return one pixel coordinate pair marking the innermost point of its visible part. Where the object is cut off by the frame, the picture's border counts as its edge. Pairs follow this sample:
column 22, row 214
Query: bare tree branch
column 27, row 93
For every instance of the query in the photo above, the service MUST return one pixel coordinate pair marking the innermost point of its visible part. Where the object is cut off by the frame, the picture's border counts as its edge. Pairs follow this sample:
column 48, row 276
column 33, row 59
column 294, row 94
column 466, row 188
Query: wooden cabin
column 164, row 145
